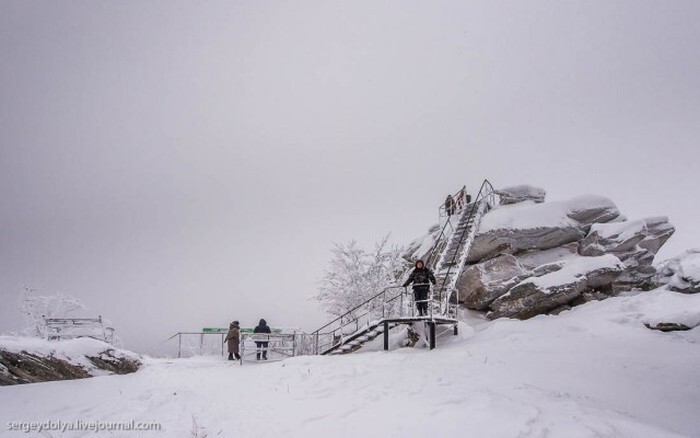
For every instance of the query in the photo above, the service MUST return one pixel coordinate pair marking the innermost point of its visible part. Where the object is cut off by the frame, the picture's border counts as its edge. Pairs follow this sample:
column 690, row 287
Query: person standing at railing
column 421, row 277
column 449, row 205
column 233, row 338
column 262, row 327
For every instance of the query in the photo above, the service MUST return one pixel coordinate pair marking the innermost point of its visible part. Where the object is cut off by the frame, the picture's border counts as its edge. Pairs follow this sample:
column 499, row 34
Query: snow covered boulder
column 536, row 258
column 511, row 229
column 624, row 239
column 538, row 295
column 591, row 209
column 484, row 282
column 668, row 311
column 682, row 273
column 658, row 231
column 525, row 192
column 31, row 360
column 617, row 237
column 634, row 242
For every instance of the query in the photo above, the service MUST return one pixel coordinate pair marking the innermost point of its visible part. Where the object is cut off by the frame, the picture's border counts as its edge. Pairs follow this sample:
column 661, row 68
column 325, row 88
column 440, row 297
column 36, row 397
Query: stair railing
column 485, row 200
column 389, row 303
column 440, row 245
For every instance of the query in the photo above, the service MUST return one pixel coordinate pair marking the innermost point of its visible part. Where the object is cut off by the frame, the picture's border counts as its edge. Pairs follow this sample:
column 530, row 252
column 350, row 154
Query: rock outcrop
column 633, row 242
column 512, row 241
column 530, row 257
column 527, row 226
column 31, row 360
column 481, row 284
column 525, row 192
column 682, row 273
column 566, row 282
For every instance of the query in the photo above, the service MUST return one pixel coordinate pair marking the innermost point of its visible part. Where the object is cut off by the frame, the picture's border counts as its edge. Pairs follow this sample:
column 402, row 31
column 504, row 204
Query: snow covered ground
column 595, row 371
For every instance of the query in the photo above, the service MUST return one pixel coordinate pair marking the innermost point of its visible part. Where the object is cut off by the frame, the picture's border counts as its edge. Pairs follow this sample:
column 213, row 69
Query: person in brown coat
column 233, row 338
column 449, row 205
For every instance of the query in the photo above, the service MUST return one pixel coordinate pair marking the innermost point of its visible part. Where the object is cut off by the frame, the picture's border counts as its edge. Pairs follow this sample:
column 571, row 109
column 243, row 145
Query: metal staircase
column 394, row 306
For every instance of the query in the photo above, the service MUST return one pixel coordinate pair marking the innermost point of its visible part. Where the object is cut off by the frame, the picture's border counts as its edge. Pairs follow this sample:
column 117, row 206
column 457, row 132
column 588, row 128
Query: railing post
column 179, row 345
column 431, row 325
column 386, row 336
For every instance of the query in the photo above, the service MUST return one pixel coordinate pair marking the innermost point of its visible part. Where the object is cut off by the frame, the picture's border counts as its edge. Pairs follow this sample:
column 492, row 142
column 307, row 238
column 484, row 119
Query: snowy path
column 593, row 372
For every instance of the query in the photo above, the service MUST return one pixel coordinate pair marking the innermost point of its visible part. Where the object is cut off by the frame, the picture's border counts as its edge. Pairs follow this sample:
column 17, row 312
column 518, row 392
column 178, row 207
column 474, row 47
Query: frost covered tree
column 35, row 307
column 355, row 275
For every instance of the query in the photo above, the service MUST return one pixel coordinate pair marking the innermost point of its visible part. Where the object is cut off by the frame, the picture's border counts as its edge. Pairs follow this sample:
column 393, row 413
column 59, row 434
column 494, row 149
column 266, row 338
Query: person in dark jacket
column 233, row 338
column 421, row 277
column 262, row 327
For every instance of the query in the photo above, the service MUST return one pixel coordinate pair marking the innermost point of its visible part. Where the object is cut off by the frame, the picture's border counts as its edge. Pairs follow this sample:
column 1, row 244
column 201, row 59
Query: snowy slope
column 593, row 371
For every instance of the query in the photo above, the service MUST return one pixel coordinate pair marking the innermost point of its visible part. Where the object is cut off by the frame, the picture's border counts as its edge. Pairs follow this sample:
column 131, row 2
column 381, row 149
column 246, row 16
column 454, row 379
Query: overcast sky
column 177, row 165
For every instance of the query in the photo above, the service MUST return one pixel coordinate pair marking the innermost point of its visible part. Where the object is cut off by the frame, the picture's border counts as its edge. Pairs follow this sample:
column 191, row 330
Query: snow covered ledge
column 30, row 360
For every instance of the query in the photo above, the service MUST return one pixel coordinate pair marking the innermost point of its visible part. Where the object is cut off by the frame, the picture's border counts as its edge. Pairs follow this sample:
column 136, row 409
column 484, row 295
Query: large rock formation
column 530, row 257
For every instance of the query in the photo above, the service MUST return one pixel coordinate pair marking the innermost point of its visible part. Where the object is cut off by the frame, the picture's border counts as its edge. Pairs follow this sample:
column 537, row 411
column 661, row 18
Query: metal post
column 386, row 336
column 179, row 345
column 431, row 325
column 456, row 331
column 430, row 302
column 383, row 304
column 222, row 344
column 201, row 343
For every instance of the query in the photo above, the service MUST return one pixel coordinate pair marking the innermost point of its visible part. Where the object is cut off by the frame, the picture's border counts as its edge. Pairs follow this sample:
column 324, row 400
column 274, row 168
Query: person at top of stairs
column 463, row 198
column 421, row 277
column 449, row 205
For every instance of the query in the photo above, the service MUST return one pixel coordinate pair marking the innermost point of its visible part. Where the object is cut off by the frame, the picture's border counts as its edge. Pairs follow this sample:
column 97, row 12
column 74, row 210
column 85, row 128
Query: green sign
column 243, row 329
column 214, row 330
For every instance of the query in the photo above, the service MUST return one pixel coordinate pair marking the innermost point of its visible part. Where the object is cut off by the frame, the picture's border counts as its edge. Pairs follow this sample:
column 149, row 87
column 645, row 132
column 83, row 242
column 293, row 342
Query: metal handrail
column 359, row 306
column 486, row 193
column 440, row 241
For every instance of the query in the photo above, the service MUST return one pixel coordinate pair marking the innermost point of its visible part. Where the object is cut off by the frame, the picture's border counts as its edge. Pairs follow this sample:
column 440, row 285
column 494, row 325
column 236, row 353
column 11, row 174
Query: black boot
column 238, row 356
column 257, row 356
column 264, row 355
column 230, row 356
